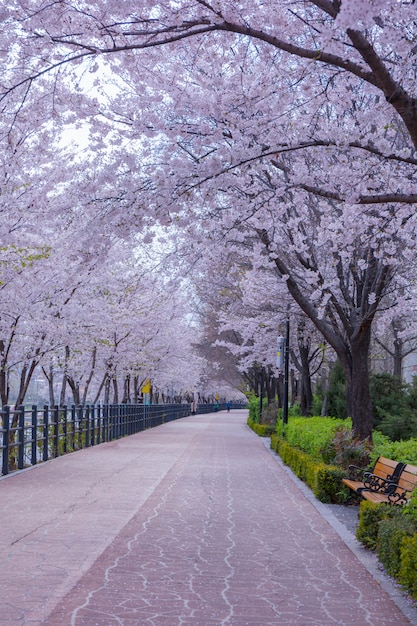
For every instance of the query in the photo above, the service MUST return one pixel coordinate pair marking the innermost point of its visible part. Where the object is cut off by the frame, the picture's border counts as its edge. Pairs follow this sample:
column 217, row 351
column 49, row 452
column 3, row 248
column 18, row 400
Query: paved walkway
column 191, row 523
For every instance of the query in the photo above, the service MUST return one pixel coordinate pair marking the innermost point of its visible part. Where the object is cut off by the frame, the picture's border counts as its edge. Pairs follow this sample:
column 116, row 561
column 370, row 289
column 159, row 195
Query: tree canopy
column 281, row 133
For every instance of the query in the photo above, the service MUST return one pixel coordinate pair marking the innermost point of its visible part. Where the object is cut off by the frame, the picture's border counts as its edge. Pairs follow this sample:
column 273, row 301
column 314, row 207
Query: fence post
column 123, row 417
column 20, row 436
column 93, row 424
column 45, row 453
column 55, row 419
column 34, row 438
column 110, row 425
column 6, row 436
column 105, row 419
column 87, row 426
column 64, row 411
column 80, row 426
column 98, row 423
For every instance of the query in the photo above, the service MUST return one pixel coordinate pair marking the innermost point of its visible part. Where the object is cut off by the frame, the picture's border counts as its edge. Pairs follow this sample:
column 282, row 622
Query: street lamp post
column 282, row 362
column 286, row 372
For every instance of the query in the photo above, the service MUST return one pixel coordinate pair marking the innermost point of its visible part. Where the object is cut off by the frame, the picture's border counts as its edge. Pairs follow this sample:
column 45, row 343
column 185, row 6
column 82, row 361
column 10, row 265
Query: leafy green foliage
column 370, row 515
column 343, row 450
column 407, row 574
column 394, row 405
column 336, row 395
column 387, row 394
column 312, row 434
column 263, row 430
column 324, row 480
column 391, row 534
column 329, row 439
column 269, row 413
column 405, row 451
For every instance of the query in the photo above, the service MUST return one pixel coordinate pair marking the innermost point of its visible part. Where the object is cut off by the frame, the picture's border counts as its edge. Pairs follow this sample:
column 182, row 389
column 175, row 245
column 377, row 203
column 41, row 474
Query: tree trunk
column 63, row 393
column 98, row 394
column 50, row 378
column 126, row 390
column 136, row 392
column 306, row 392
column 358, row 387
column 25, row 378
column 115, row 391
column 90, row 377
column 398, row 356
column 324, row 382
column 4, row 388
column 75, row 388
column 107, row 390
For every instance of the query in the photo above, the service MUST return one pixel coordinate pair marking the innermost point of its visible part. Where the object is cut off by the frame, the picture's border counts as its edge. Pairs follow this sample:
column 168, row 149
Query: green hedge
column 315, row 435
column 392, row 532
column 263, row 430
column 324, row 480
column 407, row 574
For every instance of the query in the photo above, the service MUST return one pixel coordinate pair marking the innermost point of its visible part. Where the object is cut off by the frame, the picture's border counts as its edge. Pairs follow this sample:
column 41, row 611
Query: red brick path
column 191, row 523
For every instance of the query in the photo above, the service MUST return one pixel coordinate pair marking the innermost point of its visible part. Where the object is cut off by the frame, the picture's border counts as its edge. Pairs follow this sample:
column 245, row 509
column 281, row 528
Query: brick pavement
column 191, row 523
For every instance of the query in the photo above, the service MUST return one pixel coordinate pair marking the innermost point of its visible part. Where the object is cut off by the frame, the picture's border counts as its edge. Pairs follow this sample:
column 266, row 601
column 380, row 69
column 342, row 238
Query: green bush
column 316, row 436
column 405, row 451
column 370, row 515
column 336, row 394
column 263, row 430
column 388, row 395
column 407, row 574
column 324, row 480
column 392, row 531
column 391, row 534
column 254, row 406
column 269, row 414
column 343, row 450
column 394, row 405
column 312, row 434
column 399, row 426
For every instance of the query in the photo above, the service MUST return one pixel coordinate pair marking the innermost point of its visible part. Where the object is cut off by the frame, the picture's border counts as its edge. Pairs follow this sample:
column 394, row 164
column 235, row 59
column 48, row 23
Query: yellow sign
column 147, row 387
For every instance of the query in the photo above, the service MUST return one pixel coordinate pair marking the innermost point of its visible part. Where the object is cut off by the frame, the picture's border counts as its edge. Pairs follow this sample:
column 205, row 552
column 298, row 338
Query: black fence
column 34, row 435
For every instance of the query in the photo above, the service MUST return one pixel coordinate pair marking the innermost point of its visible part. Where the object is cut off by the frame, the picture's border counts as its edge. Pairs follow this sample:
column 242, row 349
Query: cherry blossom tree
column 305, row 143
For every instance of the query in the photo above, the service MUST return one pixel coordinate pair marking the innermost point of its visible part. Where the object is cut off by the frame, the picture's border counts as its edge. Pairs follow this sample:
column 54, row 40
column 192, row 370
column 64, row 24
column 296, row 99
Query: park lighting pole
column 286, row 372
column 282, row 362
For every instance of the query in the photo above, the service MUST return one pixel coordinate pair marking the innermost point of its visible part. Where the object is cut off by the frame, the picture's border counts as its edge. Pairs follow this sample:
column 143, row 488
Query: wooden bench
column 389, row 481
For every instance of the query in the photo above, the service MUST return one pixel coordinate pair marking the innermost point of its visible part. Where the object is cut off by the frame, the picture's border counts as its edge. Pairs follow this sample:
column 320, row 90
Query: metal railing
column 34, row 435
column 30, row 436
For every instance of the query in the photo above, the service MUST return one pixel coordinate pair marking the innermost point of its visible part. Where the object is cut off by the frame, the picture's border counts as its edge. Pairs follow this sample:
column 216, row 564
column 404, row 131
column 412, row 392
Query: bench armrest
column 400, row 496
column 376, row 483
column 356, row 473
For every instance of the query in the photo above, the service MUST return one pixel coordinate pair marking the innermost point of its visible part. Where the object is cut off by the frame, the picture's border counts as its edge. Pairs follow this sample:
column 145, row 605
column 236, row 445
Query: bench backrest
column 408, row 478
column 388, row 469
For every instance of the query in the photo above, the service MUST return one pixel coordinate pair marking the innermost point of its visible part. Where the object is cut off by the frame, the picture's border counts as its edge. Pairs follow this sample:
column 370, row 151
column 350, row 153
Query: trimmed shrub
column 263, row 430
column 390, row 543
column 324, row 480
column 343, row 450
column 370, row 515
column 407, row 574
column 312, row 434
column 269, row 414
